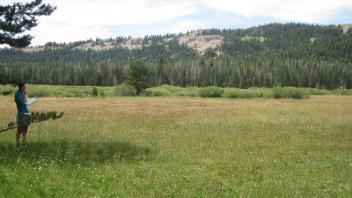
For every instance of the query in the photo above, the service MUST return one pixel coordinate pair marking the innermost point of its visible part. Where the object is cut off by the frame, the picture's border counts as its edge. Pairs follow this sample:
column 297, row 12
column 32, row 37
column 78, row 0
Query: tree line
column 299, row 55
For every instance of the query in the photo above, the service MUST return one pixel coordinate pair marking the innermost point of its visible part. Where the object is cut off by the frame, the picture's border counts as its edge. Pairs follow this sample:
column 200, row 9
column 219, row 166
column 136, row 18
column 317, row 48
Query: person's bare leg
column 24, row 135
column 18, row 136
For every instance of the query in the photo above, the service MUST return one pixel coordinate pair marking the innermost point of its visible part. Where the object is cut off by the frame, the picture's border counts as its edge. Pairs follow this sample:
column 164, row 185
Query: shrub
column 290, row 92
column 231, row 93
column 343, row 91
column 172, row 89
column 260, row 92
column 79, row 92
column 246, row 94
column 138, row 75
column 42, row 92
column 211, row 92
column 297, row 93
column 251, row 93
column 125, row 90
column 315, row 91
column 94, row 91
column 102, row 94
column 157, row 91
column 188, row 92
column 7, row 92
column 279, row 92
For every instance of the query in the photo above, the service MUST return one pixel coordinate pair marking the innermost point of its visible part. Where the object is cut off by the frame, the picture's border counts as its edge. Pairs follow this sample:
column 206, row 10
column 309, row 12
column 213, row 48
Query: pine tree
column 17, row 18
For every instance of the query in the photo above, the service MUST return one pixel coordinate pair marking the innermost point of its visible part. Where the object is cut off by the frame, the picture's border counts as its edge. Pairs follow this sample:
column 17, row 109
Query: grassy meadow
column 181, row 147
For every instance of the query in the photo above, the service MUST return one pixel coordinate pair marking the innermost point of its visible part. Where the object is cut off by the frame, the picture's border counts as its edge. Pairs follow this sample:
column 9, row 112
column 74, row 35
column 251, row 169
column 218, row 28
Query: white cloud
column 84, row 19
column 119, row 12
column 174, row 27
column 47, row 32
column 312, row 11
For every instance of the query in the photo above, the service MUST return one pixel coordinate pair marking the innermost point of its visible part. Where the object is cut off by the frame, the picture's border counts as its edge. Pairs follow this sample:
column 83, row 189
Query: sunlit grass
column 184, row 147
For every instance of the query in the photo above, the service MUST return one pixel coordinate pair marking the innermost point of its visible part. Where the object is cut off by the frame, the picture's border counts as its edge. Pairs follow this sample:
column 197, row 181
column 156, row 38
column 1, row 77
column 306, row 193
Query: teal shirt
column 20, row 102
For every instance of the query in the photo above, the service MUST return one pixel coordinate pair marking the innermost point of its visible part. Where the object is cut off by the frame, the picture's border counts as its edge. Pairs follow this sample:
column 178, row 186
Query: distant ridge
column 346, row 27
column 200, row 40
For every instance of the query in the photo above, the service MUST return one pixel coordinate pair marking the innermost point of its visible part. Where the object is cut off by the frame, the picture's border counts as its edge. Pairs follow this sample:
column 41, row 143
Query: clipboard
column 31, row 101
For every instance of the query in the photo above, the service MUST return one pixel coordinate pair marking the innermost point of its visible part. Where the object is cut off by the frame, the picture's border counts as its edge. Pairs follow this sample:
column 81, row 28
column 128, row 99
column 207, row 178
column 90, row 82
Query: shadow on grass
column 74, row 152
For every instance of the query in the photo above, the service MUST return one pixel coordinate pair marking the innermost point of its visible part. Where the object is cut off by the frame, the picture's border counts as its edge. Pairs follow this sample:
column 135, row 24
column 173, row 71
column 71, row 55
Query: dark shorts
column 23, row 119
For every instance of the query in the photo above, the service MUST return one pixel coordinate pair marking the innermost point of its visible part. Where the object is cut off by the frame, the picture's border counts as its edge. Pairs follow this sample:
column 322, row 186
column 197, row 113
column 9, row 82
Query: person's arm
column 25, row 97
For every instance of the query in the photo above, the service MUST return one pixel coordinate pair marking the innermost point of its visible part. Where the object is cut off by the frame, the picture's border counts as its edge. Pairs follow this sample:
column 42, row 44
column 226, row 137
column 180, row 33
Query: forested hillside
column 299, row 55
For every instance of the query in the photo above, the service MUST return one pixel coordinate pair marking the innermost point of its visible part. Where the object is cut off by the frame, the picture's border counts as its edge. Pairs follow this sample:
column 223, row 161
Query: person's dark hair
column 20, row 85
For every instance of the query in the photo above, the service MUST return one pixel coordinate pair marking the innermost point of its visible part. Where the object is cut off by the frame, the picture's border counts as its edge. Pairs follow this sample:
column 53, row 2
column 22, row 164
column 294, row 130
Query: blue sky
column 83, row 19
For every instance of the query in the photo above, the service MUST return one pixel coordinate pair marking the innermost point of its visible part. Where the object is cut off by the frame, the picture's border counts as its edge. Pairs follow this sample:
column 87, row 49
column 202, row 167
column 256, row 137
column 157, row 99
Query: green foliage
column 211, row 92
column 157, row 91
column 60, row 91
column 17, row 18
column 297, row 93
column 232, row 93
column 287, row 55
column 343, row 91
column 125, row 90
column 65, row 91
column 35, row 117
column 11, row 124
column 279, row 92
column 180, row 91
column 251, row 93
column 188, row 92
column 184, row 147
column 94, row 91
column 315, row 91
column 169, row 90
column 102, row 94
column 40, row 92
column 6, row 92
column 138, row 75
column 41, row 116
column 290, row 92
column 172, row 89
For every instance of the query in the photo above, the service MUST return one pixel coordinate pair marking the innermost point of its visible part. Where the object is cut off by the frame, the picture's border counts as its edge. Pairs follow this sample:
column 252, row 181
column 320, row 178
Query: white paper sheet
column 30, row 101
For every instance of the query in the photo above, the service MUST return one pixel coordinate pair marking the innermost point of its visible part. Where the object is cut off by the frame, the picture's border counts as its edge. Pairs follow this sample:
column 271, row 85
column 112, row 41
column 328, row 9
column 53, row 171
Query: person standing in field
column 23, row 116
